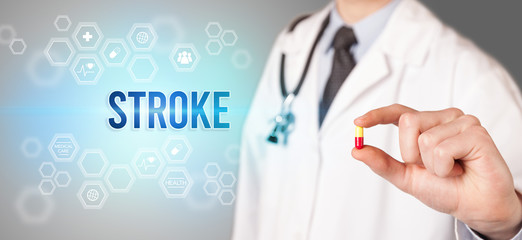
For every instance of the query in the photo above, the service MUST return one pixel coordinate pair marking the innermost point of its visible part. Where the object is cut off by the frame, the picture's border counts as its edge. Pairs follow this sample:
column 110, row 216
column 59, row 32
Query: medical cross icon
column 87, row 36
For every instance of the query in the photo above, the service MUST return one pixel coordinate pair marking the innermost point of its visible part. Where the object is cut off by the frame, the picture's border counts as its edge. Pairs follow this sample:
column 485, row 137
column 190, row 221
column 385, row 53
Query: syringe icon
column 115, row 52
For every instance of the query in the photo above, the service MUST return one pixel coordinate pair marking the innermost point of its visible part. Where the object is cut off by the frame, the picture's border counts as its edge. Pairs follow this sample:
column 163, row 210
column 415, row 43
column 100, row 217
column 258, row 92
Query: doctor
column 457, row 134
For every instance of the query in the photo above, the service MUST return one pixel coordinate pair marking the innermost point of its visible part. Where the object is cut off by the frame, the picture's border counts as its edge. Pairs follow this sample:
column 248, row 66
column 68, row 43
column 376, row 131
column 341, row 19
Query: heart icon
column 151, row 159
column 90, row 65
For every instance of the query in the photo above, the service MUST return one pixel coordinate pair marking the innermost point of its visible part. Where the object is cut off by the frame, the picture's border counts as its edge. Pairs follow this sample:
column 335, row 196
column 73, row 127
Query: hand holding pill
column 451, row 164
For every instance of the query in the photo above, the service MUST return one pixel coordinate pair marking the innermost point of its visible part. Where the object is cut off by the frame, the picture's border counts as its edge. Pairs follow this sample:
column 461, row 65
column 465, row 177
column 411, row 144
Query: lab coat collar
column 405, row 36
column 404, row 39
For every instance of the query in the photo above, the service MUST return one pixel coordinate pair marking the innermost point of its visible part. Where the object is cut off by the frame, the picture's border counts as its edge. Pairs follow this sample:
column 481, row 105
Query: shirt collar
column 366, row 30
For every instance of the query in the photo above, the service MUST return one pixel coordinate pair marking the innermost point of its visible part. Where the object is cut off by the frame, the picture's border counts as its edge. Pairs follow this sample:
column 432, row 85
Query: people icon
column 184, row 57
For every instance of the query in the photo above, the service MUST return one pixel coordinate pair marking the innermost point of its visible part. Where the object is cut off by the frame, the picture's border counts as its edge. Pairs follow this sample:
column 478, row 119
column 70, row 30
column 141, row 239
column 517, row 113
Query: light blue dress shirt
column 366, row 31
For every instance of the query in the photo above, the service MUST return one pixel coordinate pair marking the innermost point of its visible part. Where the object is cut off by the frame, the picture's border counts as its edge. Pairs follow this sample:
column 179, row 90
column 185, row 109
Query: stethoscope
column 284, row 121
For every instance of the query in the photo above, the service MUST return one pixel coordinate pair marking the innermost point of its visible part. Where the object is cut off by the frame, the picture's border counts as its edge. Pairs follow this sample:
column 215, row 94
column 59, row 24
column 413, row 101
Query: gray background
column 493, row 25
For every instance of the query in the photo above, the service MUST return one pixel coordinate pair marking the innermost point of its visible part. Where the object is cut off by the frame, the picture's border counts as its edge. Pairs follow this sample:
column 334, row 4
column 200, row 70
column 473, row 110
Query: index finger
column 383, row 115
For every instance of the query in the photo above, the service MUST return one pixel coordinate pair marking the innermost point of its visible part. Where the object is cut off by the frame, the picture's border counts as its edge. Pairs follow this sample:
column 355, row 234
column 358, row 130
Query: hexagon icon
column 46, row 187
column 211, row 187
column 213, row 29
column 214, row 47
column 32, row 207
column 87, row 36
column 212, row 170
column 115, row 52
column 227, row 197
column 241, row 59
column 229, row 38
column 119, row 178
column 92, row 195
column 93, row 163
column 87, row 69
column 47, row 169
column 62, row 179
column 7, row 34
column 59, row 52
column 63, row 147
column 62, row 23
column 184, row 57
column 40, row 72
column 177, row 149
column 143, row 68
column 17, row 46
column 176, row 182
column 148, row 163
column 142, row 37
column 227, row 179
column 170, row 30
column 31, row 147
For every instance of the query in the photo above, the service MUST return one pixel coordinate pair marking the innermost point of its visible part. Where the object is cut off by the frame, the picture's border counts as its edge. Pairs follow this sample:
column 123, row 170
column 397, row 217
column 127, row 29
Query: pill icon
column 115, row 52
column 359, row 137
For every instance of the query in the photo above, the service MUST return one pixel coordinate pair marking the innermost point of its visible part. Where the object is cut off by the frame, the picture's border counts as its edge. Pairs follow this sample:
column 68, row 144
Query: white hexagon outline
column 21, row 208
column 58, row 184
column 73, row 141
column 152, row 75
column 217, row 190
column 236, row 62
column 69, row 45
column 31, row 140
column 58, row 18
column 31, row 68
column 47, row 164
column 214, row 41
column 106, row 44
column 87, row 24
column 102, row 188
column 174, row 25
column 129, row 171
column 23, row 44
column 234, row 179
column 10, row 29
column 211, row 24
column 46, row 181
column 142, row 25
column 164, row 176
column 205, row 170
column 173, row 53
column 140, row 151
column 187, row 144
column 93, row 151
column 229, row 32
column 77, row 60
column 220, row 197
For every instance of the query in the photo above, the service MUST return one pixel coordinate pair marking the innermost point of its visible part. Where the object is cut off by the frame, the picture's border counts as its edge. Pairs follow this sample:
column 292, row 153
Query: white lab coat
column 312, row 188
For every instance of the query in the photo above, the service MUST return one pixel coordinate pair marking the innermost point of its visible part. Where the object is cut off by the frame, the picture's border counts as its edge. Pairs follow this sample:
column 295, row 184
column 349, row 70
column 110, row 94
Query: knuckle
column 426, row 140
column 439, row 153
column 407, row 119
column 472, row 120
column 455, row 112
column 479, row 132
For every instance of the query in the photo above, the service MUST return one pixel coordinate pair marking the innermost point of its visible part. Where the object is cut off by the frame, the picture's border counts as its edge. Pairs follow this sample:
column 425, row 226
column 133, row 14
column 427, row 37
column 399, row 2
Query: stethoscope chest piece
column 284, row 121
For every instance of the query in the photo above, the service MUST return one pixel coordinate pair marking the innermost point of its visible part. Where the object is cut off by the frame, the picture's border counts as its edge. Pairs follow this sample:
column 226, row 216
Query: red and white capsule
column 359, row 137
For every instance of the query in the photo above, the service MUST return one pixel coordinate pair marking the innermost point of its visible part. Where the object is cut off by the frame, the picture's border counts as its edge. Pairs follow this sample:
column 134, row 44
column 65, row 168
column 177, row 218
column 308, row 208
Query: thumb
column 383, row 164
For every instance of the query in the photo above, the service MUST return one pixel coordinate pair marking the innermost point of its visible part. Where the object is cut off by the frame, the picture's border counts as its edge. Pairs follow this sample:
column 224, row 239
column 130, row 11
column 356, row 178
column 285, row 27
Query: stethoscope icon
column 285, row 120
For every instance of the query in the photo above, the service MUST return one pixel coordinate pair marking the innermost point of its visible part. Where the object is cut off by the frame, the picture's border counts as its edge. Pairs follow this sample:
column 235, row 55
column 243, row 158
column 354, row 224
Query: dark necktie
column 342, row 65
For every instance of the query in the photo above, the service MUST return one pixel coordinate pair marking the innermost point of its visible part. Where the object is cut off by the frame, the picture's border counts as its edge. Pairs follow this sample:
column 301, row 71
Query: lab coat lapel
column 370, row 71
column 402, row 40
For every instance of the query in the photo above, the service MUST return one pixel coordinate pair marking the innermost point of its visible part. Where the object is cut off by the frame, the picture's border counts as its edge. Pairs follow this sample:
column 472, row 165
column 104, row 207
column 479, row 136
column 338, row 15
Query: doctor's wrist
column 501, row 227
